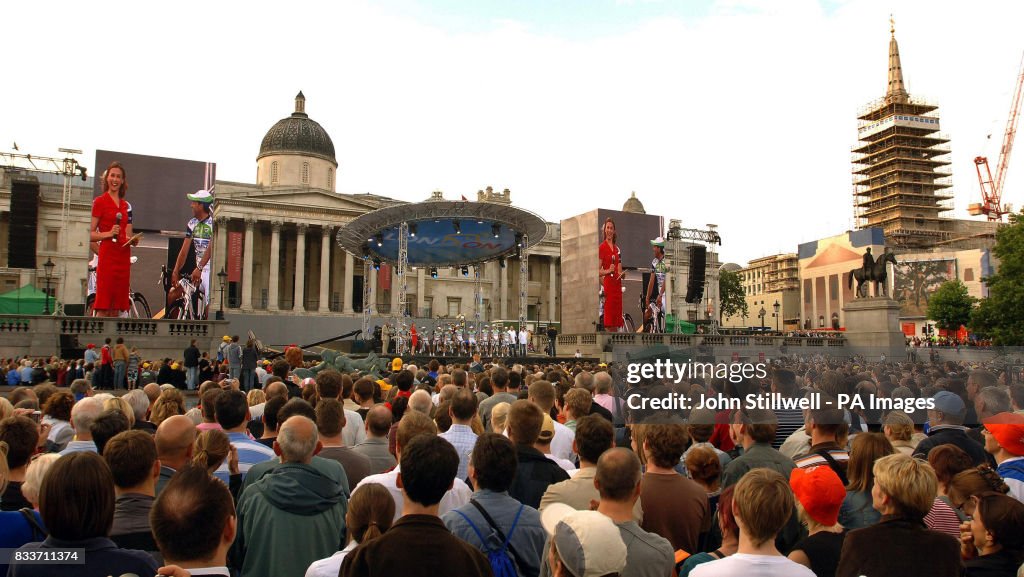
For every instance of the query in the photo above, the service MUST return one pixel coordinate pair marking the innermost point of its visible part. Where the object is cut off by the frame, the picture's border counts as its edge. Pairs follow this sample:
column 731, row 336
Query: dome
column 633, row 204
column 298, row 134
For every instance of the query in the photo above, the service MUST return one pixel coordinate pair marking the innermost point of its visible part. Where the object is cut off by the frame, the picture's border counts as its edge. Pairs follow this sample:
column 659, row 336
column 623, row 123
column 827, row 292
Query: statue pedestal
column 873, row 328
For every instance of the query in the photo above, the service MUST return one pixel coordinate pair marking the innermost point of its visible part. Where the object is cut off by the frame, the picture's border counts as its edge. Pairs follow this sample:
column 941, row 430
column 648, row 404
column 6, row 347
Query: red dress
column 114, row 269
column 610, row 257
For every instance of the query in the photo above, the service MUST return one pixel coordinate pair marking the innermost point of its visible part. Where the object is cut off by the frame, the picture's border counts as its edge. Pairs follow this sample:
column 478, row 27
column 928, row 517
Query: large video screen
column 157, row 187
column 916, row 282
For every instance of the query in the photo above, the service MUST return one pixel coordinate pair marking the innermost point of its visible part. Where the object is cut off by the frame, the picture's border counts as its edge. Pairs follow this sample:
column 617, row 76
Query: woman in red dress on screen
column 112, row 227
column 611, row 278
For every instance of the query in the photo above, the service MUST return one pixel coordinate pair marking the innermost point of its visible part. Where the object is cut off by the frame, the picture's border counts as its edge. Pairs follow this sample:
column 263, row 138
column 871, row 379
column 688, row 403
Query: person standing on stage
column 111, row 227
column 656, row 287
column 611, row 276
column 198, row 236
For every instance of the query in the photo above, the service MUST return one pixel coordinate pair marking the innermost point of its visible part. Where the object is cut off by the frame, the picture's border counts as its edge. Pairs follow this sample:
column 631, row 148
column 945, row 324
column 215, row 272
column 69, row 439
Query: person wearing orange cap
column 819, row 495
column 1004, row 439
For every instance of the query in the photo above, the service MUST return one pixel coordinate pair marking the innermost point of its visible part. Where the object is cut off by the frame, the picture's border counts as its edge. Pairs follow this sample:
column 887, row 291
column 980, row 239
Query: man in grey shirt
column 378, row 423
column 618, row 483
column 499, row 382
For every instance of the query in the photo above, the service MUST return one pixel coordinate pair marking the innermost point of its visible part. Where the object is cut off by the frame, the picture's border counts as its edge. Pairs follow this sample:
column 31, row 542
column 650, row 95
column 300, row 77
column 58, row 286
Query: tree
column 730, row 292
column 1001, row 315
column 950, row 306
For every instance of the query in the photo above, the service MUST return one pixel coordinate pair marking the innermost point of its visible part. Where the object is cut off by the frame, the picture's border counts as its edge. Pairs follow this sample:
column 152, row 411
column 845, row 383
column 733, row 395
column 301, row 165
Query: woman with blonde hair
column 122, row 405
column 255, row 397
column 170, row 402
column 499, row 417
column 899, row 544
column 34, row 477
column 370, row 513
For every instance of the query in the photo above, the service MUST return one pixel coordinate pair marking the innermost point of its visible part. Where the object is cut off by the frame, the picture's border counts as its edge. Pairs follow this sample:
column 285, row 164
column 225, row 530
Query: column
column 325, row 269
column 421, row 289
column 275, row 266
column 247, row 257
column 220, row 259
column 300, row 268
column 346, row 294
column 668, row 293
column 503, row 278
column 552, row 282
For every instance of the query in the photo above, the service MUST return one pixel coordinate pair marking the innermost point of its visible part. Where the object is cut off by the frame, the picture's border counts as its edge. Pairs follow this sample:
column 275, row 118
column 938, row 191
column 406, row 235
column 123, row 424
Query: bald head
column 83, row 413
column 152, row 391
column 378, row 421
column 277, row 389
column 618, row 475
column 420, row 402
column 174, row 439
column 297, row 440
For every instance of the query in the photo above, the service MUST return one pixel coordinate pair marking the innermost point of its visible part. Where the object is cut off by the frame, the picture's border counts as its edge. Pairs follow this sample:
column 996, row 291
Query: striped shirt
column 249, row 453
column 789, row 421
column 943, row 518
column 814, row 458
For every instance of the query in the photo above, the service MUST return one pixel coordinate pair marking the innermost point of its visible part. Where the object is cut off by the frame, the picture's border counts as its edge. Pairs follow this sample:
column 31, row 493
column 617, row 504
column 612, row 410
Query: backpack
column 504, row 561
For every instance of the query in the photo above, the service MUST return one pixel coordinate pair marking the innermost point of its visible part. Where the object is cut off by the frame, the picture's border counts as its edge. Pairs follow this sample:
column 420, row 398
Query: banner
column 235, row 256
column 916, row 282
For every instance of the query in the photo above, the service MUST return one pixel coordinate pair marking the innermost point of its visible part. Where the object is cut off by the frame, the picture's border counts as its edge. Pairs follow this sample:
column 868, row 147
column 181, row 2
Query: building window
column 454, row 307
column 330, row 178
column 52, row 240
column 305, row 173
column 273, row 172
column 968, row 274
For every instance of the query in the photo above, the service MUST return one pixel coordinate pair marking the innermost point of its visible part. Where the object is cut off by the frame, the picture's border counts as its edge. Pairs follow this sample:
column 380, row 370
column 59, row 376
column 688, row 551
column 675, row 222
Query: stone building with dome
column 290, row 281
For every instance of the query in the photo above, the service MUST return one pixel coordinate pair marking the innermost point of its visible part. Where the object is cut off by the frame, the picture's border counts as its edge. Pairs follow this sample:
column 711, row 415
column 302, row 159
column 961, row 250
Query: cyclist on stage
column 655, row 293
column 199, row 236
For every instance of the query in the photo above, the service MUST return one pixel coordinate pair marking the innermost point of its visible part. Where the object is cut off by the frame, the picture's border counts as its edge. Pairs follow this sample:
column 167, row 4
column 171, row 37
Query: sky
column 740, row 113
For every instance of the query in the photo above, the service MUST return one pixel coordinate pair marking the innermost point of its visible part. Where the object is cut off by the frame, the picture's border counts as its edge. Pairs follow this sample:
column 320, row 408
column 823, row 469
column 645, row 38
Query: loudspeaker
column 21, row 241
column 695, row 284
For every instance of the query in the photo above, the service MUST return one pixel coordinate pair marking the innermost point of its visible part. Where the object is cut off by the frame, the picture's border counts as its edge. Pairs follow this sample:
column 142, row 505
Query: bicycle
column 138, row 307
column 184, row 301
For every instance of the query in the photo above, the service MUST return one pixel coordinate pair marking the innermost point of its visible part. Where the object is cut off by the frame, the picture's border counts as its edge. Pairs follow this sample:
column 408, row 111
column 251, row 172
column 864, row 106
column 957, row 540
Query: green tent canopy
column 676, row 325
column 28, row 300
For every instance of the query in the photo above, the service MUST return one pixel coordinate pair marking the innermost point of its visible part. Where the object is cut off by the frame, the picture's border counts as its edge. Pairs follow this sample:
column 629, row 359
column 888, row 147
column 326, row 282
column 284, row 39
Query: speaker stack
column 698, row 264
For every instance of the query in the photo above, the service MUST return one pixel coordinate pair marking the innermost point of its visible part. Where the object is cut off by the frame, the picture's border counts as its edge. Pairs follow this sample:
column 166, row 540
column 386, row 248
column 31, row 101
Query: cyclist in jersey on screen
column 198, row 236
column 656, row 286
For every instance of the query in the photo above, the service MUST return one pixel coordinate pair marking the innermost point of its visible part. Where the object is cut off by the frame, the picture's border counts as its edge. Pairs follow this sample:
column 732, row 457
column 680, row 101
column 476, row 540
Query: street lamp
column 222, row 276
column 48, row 267
column 762, row 314
column 776, row 306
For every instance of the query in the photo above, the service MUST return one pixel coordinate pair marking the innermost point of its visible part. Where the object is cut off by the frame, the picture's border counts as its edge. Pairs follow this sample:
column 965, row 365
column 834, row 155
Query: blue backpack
column 504, row 561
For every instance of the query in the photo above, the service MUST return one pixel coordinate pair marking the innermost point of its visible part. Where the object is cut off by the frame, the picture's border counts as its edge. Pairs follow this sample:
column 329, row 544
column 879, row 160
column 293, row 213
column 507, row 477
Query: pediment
column 834, row 254
column 294, row 199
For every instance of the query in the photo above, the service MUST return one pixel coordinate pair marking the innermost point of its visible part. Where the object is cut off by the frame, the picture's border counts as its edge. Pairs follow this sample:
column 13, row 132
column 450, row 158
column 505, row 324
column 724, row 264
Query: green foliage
column 730, row 291
column 950, row 306
column 1001, row 315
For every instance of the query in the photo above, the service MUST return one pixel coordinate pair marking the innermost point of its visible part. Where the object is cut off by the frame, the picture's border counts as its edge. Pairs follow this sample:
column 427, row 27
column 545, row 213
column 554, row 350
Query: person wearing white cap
column 655, row 293
column 198, row 236
column 583, row 543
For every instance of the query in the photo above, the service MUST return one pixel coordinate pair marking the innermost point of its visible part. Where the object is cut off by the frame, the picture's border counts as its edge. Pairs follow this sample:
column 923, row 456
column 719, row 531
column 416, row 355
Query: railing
column 681, row 340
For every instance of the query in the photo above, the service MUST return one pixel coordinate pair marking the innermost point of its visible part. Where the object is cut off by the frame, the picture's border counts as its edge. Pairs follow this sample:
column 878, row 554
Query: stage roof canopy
column 443, row 233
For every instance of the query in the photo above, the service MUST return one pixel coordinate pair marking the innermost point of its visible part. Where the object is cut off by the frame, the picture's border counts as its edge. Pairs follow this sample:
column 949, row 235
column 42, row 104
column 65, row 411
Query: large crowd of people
column 495, row 468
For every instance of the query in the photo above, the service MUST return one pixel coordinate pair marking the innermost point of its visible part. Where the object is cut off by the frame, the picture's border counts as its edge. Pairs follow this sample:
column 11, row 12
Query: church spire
column 897, row 91
column 300, row 104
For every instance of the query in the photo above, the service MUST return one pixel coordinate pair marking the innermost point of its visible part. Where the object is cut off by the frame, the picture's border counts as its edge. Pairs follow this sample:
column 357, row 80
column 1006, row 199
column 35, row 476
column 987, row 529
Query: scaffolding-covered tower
column 901, row 183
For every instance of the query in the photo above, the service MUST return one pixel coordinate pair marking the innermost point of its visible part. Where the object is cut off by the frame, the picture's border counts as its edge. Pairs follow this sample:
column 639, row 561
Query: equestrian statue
column 872, row 271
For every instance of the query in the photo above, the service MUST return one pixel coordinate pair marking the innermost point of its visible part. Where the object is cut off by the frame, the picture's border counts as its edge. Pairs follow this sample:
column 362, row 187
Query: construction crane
column 992, row 189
